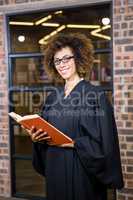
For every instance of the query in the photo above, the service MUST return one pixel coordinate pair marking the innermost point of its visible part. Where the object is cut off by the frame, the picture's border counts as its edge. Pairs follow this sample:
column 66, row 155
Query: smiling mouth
column 64, row 70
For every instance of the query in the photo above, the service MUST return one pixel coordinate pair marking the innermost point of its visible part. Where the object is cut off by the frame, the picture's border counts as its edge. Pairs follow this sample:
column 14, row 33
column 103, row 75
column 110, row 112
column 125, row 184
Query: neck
column 70, row 83
column 73, row 80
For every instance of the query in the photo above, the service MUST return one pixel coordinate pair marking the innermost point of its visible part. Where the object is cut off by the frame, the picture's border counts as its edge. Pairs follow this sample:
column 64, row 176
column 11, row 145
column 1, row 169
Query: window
column 29, row 83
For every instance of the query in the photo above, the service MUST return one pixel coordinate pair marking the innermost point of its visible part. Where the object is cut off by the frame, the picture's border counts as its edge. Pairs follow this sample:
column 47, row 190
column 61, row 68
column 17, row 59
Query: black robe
column 87, row 170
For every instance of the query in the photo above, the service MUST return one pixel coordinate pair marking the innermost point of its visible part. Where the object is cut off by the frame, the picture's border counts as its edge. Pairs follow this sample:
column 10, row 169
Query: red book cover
column 57, row 137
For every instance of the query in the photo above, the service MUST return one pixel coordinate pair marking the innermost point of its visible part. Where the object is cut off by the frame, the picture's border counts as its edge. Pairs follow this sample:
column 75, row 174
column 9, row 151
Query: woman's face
column 65, row 63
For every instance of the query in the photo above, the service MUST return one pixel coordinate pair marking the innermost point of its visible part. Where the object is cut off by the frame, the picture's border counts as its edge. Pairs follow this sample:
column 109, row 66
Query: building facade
column 122, row 77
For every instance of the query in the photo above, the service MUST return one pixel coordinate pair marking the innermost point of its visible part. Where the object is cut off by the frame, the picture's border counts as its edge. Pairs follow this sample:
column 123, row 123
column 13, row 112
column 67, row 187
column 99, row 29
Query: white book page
column 30, row 116
column 15, row 116
column 18, row 118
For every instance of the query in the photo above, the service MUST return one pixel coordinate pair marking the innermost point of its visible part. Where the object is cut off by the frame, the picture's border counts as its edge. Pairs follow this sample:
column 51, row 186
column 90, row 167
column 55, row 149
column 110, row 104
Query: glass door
column 29, row 84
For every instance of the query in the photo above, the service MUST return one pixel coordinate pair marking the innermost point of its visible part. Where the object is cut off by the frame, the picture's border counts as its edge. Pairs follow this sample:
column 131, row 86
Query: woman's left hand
column 69, row 145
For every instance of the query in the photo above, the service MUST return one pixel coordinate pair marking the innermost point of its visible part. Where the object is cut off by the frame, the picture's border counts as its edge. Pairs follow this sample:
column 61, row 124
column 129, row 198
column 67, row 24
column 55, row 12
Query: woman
column 85, row 169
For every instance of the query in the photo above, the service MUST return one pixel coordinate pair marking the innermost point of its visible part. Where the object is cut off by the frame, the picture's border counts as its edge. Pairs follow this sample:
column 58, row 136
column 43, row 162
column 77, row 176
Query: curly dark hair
column 81, row 47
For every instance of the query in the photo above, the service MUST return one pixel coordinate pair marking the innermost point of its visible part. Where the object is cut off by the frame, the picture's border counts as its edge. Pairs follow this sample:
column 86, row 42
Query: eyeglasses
column 65, row 59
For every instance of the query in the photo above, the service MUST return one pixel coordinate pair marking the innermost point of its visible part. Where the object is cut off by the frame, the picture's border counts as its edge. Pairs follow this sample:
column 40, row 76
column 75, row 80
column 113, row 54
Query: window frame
column 12, row 88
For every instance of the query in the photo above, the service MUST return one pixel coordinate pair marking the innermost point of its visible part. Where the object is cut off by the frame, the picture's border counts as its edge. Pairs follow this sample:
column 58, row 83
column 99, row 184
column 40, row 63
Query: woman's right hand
column 37, row 136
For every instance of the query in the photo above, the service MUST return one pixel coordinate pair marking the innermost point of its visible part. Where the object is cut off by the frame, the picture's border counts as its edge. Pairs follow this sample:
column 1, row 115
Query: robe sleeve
column 38, row 157
column 39, row 149
column 98, row 148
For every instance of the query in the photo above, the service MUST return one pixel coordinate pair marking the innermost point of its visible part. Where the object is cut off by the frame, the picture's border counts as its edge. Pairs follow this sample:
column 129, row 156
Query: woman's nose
column 62, row 65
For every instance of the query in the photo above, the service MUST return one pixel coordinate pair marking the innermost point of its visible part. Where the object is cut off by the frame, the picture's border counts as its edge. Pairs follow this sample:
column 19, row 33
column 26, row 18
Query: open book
column 57, row 137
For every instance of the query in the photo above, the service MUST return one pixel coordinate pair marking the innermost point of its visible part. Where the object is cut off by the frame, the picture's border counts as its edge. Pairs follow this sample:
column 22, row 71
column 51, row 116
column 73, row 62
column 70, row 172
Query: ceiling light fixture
column 45, row 38
column 58, row 12
column 82, row 26
column 60, row 28
column 105, row 21
column 51, row 24
column 105, row 27
column 97, row 34
column 102, row 36
column 21, row 23
column 44, row 19
column 21, row 38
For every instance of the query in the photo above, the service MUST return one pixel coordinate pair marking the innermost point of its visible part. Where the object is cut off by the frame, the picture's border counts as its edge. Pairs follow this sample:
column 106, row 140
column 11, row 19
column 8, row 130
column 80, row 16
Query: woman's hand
column 68, row 145
column 37, row 136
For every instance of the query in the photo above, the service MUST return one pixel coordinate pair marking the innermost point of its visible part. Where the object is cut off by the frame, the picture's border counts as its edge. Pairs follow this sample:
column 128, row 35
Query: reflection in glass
column 29, row 72
column 23, row 144
column 29, row 102
column 27, row 181
column 24, row 103
column 101, row 73
column 70, row 18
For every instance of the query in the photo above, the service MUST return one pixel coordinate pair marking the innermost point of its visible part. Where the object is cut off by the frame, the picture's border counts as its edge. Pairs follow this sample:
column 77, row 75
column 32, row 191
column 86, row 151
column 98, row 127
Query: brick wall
column 123, row 93
column 4, row 137
column 123, row 88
